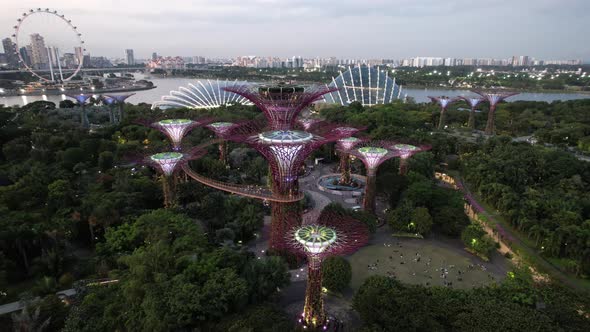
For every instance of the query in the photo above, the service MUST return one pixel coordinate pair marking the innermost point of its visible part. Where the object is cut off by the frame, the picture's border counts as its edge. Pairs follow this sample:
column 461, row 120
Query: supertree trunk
column 223, row 152
column 403, row 166
column 345, row 168
column 441, row 120
column 471, row 122
column 84, row 118
column 284, row 217
column 169, row 190
column 370, row 189
column 313, row 310
column 490, row 124
column 111, row 116
column 120, row 113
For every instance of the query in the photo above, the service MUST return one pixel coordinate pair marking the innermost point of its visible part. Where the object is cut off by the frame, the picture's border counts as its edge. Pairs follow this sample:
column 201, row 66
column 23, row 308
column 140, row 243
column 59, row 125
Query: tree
column 421, row 221
column 105, row 160
column 336, row 273
column 66, row 104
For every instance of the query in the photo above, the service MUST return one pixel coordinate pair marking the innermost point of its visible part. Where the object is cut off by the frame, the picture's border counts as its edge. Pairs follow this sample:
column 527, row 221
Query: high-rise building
column 130, row 58
column 39, row 54
column 10, row 52
column 154, row 56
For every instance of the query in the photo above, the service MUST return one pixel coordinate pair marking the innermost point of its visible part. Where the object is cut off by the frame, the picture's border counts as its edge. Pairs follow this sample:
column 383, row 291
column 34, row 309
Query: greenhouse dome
column 202, row 94
column 367, row 85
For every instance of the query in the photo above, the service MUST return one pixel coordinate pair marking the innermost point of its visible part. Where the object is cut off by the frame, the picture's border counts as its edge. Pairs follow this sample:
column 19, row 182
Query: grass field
column 435, row 265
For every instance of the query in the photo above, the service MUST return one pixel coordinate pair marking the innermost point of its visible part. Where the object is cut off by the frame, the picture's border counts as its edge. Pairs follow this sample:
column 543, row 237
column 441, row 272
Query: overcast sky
column 546, row 29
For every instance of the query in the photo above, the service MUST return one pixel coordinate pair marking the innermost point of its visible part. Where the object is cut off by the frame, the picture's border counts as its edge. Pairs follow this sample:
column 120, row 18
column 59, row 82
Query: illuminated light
column 202, row 94
column 349, row 142
column 285, row 136
column 175, row 129
column 405, row 150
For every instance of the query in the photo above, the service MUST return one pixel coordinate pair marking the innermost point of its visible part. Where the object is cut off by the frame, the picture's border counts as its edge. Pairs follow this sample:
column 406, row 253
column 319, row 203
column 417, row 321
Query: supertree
column 493, row 97
column 372, row 154
column 222, row 130
column 82, row 99
column 120, row 101
column 167, row 163
column 444, row 103
column 281, row 104
column 472, row 102
column 175, row 129
column 405, row 151
column 106, row 100
column 285, row 151
column 343, row 146
column 333, row 234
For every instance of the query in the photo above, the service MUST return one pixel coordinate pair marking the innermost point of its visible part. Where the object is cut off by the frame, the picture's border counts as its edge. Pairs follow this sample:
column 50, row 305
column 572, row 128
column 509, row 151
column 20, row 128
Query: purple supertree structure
column 120, row 101
column 332, row 235
column 82, row 99
column 405, row 151
column 281, row 104
column 343, row 146
column 493, row 98
column 176, row 129
column 372, row 154
column 222, row 130
column 285, row 151
column 110, row 102
column 167, row 163
column 444, row 103
column 472, row 102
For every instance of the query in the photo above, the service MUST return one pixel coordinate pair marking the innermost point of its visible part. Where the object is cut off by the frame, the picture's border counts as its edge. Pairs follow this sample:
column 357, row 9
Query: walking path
column 544, row 264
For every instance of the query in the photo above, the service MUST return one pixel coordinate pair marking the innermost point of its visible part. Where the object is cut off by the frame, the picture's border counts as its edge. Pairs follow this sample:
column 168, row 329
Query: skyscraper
column 79, row 54
column 154, row 56
column 10, row 51
column 39, row 55
column 130, row 58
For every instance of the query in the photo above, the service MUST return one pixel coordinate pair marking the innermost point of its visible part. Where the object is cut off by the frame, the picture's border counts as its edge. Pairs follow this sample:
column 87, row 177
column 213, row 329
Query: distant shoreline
column 75, row 91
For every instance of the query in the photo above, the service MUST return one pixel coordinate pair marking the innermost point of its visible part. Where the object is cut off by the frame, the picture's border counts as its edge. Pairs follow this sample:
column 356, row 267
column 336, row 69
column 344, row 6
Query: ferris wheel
column 55, row 49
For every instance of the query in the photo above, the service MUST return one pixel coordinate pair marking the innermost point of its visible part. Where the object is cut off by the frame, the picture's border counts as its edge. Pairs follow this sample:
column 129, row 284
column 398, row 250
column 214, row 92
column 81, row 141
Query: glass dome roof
column 202, row 94
column 367, row 85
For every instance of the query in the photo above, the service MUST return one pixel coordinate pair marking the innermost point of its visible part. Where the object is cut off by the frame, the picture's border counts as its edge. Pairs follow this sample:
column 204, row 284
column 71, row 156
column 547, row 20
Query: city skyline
column 374, row 29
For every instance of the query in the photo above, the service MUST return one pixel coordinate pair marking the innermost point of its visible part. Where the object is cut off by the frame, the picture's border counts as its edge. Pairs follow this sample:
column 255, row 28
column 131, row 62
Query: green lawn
column 433, row 257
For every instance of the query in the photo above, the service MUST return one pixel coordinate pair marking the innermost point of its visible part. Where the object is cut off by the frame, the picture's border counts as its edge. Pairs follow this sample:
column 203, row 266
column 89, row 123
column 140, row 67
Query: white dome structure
column 367, row 85
column 202, row 94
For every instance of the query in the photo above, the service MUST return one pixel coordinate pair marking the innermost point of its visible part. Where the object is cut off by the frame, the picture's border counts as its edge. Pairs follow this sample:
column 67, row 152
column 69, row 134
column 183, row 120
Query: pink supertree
column 372, row 154
column 405, row 151
column 120, row 101
column 176, row 129
column 472, row 102
column 332, row 235
column 222, row 130
column 343, row 146
column 82, row 99
column 444, row 103
column 285, row 151
column 167, row 163
column 280, row 104
column 493, row 97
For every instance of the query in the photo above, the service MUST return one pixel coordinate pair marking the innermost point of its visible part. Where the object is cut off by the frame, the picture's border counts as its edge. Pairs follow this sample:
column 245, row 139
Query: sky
column 393, row 29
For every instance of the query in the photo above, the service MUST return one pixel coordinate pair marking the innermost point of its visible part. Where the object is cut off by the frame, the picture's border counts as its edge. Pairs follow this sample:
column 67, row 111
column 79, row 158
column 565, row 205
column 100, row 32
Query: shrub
column 336, row 273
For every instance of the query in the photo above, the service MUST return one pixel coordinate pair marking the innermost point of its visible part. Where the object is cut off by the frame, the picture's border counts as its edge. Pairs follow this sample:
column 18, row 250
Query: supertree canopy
column 444, row 103
column 372, row 154
column 120, row 101
column 307, row 124
column 82, row 99
column 406, row 151
column 332, row 234
column 493, row 97
column 281, row 104
column 166, row 161
column 175, row 129
column 472, row 102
